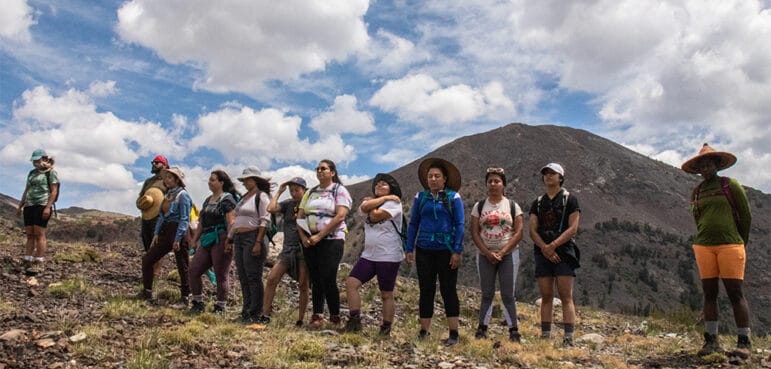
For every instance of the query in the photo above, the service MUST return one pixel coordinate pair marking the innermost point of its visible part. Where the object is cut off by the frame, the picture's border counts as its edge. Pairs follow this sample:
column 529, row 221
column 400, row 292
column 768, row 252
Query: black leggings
column 432, row 264
column 323, row 260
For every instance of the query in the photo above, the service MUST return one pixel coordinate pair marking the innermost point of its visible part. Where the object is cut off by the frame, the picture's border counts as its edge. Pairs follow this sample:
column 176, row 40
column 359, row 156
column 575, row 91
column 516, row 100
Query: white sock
column 40, row 259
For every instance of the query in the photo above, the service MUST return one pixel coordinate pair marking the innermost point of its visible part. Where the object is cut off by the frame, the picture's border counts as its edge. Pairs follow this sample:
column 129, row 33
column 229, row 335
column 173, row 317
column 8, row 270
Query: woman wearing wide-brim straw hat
column 722, row 214
column 435, row 241
column 169, row 234
column 250, row 239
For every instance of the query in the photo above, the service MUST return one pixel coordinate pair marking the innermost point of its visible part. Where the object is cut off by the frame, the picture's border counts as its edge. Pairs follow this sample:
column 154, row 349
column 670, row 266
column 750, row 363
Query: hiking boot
column 743, row 348
column 33, row 268
column 451, row 341
column 317, row 322
column 298, row 323
column 353, row 324
column 567, row 342
column 144, row 295
column 181, row 304
column 335, row 320
column 385, row 331
column 263, row 319
column 711, row 345
column 218, row 309
column 481, row 332
column 514, row 335
column 198, row 307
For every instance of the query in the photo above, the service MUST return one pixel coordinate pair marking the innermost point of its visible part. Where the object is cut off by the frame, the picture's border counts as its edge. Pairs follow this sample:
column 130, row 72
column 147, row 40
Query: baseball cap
column 555, row 167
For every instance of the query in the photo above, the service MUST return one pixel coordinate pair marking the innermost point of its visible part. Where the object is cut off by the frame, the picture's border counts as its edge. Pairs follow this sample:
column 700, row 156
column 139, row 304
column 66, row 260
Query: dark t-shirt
column 288, row 210
column 213, row 213
column 550, row 216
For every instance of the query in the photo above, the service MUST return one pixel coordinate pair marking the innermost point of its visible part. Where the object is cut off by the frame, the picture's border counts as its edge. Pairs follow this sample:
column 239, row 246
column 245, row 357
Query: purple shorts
column 386, row 272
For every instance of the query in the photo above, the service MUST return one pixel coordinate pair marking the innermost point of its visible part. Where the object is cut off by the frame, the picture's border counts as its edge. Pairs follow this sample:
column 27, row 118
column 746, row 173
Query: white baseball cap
column 555, row 167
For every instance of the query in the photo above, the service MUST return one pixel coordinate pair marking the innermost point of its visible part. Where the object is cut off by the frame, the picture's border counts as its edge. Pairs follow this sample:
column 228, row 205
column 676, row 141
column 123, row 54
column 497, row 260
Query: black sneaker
column 263, row 319
column 423, row 334
column 451, row 341
column 514, row 335
column 218, row 309
column 298, row 323
column 197, row 307
column 481, row 332
column 144, row 295
column 567, row 342
column 385, row 331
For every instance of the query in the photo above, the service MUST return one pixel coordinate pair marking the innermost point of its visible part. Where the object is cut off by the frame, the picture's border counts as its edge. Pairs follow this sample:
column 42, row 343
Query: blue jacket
column 432, row 228
column 179, row 212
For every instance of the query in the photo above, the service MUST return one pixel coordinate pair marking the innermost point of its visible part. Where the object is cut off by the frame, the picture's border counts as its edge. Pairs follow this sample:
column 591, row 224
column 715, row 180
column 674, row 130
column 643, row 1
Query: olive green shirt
column 715, row 223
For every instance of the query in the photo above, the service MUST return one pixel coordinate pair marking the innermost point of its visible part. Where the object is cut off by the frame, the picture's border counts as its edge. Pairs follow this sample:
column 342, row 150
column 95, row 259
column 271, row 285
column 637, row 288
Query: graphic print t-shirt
column 496, row 222
column 320, row 206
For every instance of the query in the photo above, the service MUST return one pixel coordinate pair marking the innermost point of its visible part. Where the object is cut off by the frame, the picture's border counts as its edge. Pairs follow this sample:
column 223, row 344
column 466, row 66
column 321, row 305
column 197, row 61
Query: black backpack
column 273, row 227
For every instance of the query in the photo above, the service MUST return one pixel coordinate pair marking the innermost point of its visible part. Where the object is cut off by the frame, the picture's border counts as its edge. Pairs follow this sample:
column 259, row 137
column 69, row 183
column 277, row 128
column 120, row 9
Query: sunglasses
column 495, row 170
column 322, row 169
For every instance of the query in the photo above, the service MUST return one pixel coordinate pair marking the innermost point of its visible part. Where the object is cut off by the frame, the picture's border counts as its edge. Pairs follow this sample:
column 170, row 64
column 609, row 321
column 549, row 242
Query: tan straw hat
column 726, row 159
column 150, row 203
column 453, row 174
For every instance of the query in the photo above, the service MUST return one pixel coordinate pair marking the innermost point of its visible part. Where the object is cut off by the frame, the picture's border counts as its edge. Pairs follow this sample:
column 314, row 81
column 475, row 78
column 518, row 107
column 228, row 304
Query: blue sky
column 104, row 86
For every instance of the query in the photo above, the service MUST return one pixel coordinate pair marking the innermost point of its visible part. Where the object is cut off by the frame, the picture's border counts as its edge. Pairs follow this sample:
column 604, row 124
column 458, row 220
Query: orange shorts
column 724, row 261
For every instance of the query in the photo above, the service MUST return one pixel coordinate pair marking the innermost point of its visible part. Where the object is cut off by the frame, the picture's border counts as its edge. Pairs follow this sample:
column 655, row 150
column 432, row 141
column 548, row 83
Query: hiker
column 169, row 234
column 382, row 254
column 40, row 193
column 322, row 229
column 554, row 220
column 209, row 240
column 290, row 260
column 250, row 240
column 149, row 203
column 496, row 229
column 435, row 242
column 722, row 214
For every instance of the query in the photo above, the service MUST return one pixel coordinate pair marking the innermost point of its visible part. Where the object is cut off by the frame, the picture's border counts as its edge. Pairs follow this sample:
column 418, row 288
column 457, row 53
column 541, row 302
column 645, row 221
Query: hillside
column 635, row 225
column 80, row 313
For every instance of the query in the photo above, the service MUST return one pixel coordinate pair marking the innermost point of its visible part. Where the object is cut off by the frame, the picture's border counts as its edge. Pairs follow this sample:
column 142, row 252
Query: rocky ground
column 79, row 313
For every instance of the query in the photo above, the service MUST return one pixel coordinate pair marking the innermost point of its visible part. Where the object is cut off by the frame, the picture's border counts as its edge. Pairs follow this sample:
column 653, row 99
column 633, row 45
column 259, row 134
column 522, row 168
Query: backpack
column 565, row 195
column 403, row 233
column 272, row 229
column 726, row 190
column 570, row 248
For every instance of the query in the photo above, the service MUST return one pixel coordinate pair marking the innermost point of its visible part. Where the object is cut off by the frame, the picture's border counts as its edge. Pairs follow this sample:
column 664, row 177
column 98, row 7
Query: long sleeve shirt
column 179, row 211
column 431, row 225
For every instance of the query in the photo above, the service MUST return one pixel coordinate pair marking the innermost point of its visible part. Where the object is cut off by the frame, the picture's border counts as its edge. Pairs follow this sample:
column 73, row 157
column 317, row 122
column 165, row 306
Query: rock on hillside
column 635, row 224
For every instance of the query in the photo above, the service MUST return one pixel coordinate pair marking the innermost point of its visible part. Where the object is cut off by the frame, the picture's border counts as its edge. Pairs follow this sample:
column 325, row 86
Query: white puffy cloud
column 243, row 43
column 91, row 148
column 343, row 117
column 102, row 88
column 15, row 21
column 389, row 53
column 240, row 132
column 420, row 98
column 397, row 156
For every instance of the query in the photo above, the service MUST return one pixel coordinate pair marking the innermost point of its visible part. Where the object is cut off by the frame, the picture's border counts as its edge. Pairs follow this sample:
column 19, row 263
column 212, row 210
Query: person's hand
column 394, row 198
column 490, row 256
column 313, row 240
column 553, row 257
column 46, row 212
column 257, row 249
column 228, row 247
column 154, row 241
column 282, row 188
column 409, row 257
column 175, row 246
column 454, row 261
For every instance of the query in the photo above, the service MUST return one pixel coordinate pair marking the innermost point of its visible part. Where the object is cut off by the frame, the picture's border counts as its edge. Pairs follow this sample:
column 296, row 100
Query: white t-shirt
column 320, row 206
column 381, row 240
column 496, row 223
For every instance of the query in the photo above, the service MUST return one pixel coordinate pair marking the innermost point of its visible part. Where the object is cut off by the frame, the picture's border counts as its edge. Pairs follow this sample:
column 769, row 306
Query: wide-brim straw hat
column 252, row 172
column 178, row 173
column 453, row 174
column 726, row 159
column 150, row 203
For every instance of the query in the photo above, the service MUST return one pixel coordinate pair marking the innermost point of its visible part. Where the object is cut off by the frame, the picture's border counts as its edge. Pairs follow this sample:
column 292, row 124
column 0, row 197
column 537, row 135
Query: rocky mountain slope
column 635, row 225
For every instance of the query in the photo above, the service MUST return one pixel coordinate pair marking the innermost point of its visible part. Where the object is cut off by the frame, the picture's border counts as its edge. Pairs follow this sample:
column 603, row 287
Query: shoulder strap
column 450, row 196
column 480, row 206
column 422, row 198
column 565, row 195
column 725, row 186
column 512, row 209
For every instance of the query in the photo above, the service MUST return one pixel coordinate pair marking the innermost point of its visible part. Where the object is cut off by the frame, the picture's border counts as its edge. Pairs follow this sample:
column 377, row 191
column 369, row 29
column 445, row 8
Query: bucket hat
column 250, row 172
column 453, row 174
column 178, row 173
column 726, row 159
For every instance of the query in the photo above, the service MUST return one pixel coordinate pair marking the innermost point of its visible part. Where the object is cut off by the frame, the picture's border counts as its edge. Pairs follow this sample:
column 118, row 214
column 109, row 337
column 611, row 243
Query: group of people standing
column 232, row 225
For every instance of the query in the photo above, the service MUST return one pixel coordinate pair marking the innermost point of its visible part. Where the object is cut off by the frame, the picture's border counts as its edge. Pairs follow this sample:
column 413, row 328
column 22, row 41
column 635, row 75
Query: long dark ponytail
column 227, row 183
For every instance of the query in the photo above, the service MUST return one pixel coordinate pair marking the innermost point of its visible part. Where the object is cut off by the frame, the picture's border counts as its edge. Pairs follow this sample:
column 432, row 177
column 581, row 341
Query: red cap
column 161, row 159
